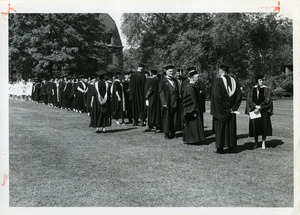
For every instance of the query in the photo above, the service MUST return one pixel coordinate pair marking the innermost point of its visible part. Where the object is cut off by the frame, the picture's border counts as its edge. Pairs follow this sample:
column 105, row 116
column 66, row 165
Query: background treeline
column 47, row 45
column 250, row 43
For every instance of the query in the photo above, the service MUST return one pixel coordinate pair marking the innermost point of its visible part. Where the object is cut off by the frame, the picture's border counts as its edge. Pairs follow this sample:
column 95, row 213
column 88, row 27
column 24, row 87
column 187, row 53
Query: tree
column 56, row 44
column 250, row 43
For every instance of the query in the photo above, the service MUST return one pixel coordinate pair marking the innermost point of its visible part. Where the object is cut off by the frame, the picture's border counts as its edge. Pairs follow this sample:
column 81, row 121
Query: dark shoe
column 220, row 151
column 147, row 130
column 255, row 146
column 98, row 131
column 143, row 124
column 232, row 150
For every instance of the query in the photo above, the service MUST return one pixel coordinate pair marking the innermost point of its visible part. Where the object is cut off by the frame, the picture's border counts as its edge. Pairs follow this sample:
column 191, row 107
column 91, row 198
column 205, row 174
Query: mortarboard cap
column 257, row 77
column 191, row 68
column 192, row 73
column 141, row 65
column 100, row 73
column 153, row 68
column 225, row 68
column 169, row 66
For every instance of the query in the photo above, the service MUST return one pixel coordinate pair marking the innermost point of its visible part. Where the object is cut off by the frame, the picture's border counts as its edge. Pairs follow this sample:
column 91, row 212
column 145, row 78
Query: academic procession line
column 167, row 102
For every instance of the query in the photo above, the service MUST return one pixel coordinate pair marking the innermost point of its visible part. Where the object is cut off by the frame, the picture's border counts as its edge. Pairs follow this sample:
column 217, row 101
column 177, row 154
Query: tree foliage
column 56, row 44
column 250, row 43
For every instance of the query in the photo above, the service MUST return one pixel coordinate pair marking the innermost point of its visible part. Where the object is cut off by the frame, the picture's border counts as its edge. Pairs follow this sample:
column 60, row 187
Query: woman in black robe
column 260, row 102
column 117, row 100
column 100, row 104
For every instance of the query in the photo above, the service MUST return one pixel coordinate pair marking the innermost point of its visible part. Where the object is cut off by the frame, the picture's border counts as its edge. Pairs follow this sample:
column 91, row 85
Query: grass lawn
column 57, row 160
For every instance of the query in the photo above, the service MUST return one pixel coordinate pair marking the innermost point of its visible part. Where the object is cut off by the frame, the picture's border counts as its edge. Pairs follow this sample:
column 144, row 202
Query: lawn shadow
column 242, row 136
column 274, row 143
column 119, row 130
column 249, row 145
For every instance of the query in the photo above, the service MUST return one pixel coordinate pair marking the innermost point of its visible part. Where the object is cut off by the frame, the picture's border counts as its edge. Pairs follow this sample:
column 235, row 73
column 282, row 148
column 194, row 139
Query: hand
column 256, row 111
column 164, row 106
column 257, row 107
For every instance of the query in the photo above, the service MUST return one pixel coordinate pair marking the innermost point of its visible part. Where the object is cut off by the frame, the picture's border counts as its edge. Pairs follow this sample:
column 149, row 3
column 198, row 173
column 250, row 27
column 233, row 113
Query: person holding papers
column 260, row 109
column 226, row 98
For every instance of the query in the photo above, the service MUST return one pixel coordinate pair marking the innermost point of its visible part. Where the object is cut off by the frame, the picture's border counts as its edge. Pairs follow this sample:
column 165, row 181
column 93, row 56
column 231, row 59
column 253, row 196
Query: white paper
column 254, row 115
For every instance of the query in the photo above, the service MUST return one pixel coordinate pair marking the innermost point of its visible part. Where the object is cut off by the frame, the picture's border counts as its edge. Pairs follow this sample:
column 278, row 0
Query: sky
column 117, row 18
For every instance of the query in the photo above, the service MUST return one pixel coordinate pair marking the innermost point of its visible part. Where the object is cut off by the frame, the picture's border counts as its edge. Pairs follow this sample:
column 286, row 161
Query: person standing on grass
column 100, row 104
column 116, row 91
column 154, row 109
column 169, row 97
column 193, row 131
column 81, row 92
column 260, row 103
column 126, row 91
column 226, row 98
column 136, row 94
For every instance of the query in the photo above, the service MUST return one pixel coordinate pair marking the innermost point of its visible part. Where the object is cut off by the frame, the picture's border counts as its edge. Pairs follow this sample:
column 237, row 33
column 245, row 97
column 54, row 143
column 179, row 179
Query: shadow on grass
column 119, row 130
column 249, row 145
column 273, row 143
column 242, row 136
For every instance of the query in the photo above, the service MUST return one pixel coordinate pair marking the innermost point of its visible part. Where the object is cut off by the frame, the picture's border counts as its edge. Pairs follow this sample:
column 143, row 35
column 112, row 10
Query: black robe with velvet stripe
column 193, row 131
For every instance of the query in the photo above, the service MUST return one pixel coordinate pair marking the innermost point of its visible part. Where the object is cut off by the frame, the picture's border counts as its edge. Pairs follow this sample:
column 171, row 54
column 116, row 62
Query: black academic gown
column 36, row 89
column 260, row 126
column 169, row 96
column 136, row 94
column 100, row 112
column 202, row 107
column 116, row 105
column 193, row 131
column 44, row 86
column 81, row 88
column 89, row 96
column 221, row 106
column 55, row 94
column 154, row 112
column 128, row 108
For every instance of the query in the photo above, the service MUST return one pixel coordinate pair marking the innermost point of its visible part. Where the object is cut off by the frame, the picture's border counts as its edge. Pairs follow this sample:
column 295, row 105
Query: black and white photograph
column 111, row 110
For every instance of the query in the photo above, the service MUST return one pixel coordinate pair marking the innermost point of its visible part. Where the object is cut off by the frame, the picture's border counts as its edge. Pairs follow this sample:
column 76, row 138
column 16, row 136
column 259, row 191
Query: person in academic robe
column 100, row 104
column 81, row 92
column 55, row 89
column 260, row 102
column 117, row 99
column 73, row 95
column 128, row 108
column 169, row 97
column 193, row 131
column 61, row 85
column 152, row 95
column 146, row 102
column 44, row 87
column 201, row 89
column 64, row 92
column 36, row 91
column 183, row 80
column 89, row 94
column 50, row 92
column 137, row 95
column 226, row 98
